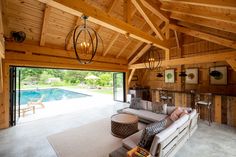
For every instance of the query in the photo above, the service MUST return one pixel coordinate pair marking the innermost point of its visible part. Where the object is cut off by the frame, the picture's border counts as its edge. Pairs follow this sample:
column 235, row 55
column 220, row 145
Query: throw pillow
column 149, row 133
column 135, row 103
column 149, row 106
column 164, row 109
column 176, row 114
column 159, row 107
column 143, row 104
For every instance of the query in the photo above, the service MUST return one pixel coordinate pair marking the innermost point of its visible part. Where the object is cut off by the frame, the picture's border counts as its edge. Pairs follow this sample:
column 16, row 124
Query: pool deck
column 76, row 105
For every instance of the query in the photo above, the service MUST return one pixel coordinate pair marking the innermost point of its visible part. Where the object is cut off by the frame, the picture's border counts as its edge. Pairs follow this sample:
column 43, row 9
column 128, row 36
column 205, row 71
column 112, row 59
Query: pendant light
column 86, row 41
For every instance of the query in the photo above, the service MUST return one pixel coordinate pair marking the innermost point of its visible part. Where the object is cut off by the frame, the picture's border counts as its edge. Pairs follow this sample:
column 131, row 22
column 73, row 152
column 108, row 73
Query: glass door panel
column 119, row 86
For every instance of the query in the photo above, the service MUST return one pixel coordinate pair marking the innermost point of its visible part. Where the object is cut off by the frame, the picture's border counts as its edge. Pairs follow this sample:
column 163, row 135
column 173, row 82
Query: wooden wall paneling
column 224, row 110
column 218, row 112
column 231, row 111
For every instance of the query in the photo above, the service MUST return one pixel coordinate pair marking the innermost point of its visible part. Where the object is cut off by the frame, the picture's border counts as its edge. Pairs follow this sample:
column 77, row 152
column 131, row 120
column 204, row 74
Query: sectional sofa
column 172, row 138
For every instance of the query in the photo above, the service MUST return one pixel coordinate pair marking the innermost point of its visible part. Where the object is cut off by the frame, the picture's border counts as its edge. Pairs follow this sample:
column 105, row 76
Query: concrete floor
column 30, row 139
column 210, row 141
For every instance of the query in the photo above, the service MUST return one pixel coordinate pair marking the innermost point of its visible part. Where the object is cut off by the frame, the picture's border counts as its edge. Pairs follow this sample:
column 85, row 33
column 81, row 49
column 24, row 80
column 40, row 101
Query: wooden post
column 218, row 109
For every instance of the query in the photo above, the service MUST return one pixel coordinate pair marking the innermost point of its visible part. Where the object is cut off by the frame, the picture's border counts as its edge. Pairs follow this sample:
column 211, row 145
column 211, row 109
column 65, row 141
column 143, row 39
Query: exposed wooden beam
column 155, row 10
column 151, row 22
column 112, row 41
column 203, row 12
column 140, row 53
column 218, row 57
column 52, row 61
column 130, row 76
column 127, row 11
column 45, row 24
column 100, row 17
column 2, row 41
column 232, row 63
column 220, row 25
column 69, row 44
column 134, row 50
column 59, row 53
column 222, row 4
column 177, row 39
column 205, row 36
column 1, row 77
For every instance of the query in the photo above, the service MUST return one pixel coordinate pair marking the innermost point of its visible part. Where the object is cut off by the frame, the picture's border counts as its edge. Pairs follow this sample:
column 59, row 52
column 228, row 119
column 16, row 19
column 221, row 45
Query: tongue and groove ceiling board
column 44, row 27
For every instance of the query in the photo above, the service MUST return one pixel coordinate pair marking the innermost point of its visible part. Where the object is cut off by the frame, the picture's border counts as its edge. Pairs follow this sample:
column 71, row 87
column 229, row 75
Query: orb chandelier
column 86, row 41
column 152, row 59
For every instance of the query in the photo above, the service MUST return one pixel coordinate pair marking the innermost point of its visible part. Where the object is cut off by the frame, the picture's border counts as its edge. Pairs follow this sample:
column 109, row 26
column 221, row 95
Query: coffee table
column 124, row 125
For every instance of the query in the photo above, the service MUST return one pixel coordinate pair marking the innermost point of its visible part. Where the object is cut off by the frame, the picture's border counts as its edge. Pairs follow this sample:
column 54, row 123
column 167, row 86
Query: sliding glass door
column 14, row 91
column 119, row 86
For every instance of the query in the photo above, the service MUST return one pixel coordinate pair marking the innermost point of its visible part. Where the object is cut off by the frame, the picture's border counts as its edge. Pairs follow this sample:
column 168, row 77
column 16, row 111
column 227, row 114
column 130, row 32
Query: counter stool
column 164, row 97
column 205, row 102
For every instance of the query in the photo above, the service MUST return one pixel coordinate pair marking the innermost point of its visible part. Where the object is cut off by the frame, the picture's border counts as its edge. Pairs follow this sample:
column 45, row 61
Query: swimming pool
column 50, row 94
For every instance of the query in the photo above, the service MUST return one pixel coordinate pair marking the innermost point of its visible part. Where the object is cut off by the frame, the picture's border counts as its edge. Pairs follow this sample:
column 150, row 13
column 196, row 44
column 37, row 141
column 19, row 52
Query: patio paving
column 75, row 105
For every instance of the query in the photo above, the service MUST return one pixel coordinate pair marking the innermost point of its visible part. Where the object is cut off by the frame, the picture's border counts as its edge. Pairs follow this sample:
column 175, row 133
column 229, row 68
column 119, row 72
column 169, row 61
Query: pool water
column 50, row 94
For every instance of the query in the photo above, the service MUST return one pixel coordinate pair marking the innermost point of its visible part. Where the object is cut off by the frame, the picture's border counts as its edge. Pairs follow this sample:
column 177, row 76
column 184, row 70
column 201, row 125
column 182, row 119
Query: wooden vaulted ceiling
column 127, row 27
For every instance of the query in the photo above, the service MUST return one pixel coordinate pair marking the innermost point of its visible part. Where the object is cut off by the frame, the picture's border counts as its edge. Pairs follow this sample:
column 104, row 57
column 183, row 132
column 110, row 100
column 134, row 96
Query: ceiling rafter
column 226, row 4
column 148, row 18
column 114, row 38
column 204, row 36
column 220, row 25
column 127, row 11
column 232, row 63
column 112, row 41
column 140, row 53
column 100, row 17
column 200, row 12
column 127, row 45
column 155, row 10
column 69, row 44
column 45, row 24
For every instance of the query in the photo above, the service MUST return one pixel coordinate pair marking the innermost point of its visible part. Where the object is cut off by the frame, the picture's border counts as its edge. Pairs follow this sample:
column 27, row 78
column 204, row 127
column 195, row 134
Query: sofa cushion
column 178, row 123
column 170, row 109
column 159, row 107
column 147, row 115
column 143, row 104
column 132, row 141
column 149, row 132
column 192, row 114
column 135, row 103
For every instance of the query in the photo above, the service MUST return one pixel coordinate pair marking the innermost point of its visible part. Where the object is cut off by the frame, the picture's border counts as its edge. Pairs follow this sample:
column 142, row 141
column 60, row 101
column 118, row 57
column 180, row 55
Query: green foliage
column 68, row 77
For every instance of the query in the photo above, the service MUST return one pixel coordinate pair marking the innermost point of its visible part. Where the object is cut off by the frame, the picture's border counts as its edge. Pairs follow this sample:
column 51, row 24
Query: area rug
column 90, row 140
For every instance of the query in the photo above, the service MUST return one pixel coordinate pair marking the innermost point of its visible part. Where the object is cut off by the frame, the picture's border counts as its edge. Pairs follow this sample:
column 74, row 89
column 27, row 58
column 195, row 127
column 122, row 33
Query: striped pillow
column 149, row 132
